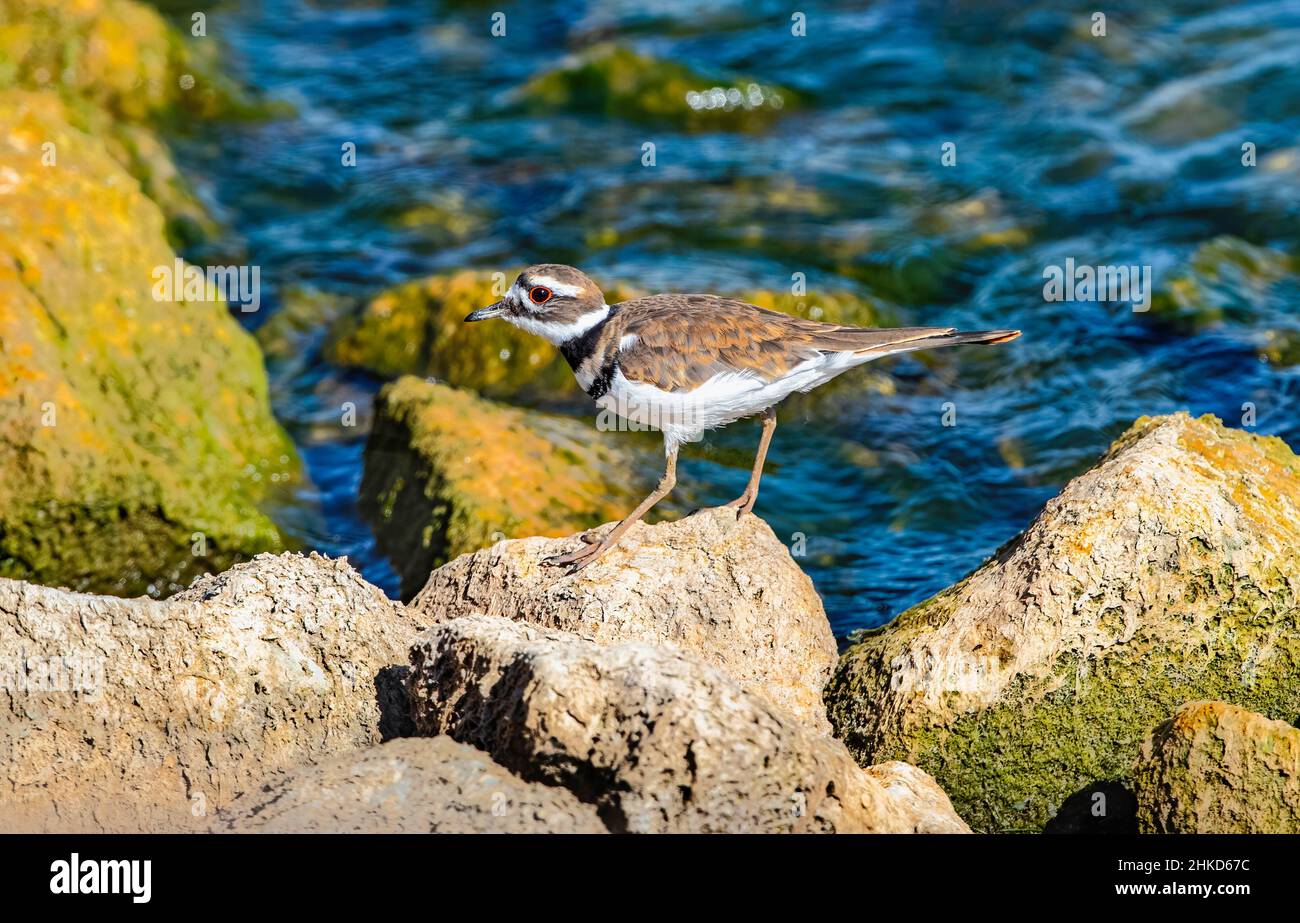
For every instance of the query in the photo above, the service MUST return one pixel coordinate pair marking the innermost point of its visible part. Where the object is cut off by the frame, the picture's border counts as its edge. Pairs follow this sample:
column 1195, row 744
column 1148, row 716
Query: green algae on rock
column 1167, row 573
column 609, row 79
column 1216, row 768
column 136, row 438
column 1282, row 347
column 1224, row 279
column 447, row 472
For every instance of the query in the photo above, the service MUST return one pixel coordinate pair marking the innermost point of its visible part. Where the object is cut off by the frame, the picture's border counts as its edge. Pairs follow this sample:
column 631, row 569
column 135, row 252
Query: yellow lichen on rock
column 134, row 422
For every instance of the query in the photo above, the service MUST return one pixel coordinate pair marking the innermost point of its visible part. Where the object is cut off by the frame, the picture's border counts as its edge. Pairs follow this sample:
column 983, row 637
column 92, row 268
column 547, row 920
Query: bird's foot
column 743, row 504
column 578, row 559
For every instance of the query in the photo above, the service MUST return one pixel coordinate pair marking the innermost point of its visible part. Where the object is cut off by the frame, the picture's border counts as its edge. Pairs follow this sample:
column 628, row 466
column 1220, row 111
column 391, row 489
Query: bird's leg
column 745, row 501
column 593, row 550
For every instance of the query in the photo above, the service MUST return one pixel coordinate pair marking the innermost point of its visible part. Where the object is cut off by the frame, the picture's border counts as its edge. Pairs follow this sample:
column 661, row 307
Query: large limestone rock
column 447, row 472
column 1216, row 768
column 136, row 438
column 720, row 589
column 657, row 741
column 137, row 715
column 1169, row 572
column 410, row 785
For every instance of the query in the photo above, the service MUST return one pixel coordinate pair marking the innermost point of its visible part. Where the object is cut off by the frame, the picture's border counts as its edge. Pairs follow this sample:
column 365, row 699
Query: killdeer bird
column 684, row 364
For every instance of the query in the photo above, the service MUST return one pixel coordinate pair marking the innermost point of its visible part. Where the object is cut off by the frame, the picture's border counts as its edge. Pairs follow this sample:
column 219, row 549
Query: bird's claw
column 578, row 559
column 743, row 505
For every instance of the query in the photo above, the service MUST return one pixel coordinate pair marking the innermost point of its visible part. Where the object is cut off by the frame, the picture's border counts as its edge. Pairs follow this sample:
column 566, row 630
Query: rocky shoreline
column 1132, row 652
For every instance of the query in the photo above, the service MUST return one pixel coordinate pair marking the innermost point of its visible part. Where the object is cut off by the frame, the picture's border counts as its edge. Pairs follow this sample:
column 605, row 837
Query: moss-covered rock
column 612, row 80
column 127, row 424
column 447, row 472
column 300, row 322
column 1167, row 573
column 120, row 55
column 444, row 217
column 122, row 71
column 1216, row 768
column 1224, row 279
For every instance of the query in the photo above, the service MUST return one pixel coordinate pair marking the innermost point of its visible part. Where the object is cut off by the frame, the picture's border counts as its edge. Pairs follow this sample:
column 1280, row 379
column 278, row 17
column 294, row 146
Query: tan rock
column 657, row 741
column 725, row 591
column 1216, row 768
column 1168, row 572
column 411, row 785
column 918, row 798
column 137, row 715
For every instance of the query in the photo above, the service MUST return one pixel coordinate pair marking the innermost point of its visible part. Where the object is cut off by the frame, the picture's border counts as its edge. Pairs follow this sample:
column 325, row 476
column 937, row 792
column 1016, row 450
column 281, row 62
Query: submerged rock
column 143, row 716
column 1168, row 572
column 1282, row 347
column 136, row 437
column 1225, row 279
column 720, row 589
column 612, row 80
column 447, row 472
column 1216, row 768
column 413, row 785
column 658, row 742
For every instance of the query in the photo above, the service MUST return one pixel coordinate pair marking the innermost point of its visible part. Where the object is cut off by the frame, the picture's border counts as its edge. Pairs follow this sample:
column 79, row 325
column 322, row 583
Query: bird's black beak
column 492, row 310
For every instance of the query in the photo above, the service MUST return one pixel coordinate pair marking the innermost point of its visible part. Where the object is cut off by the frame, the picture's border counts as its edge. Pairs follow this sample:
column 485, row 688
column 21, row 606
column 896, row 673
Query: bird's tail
column 945, row 338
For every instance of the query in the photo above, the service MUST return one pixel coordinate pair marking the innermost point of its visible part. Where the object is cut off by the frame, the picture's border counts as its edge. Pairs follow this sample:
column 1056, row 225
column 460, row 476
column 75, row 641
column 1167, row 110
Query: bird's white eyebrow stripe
column 559, row 288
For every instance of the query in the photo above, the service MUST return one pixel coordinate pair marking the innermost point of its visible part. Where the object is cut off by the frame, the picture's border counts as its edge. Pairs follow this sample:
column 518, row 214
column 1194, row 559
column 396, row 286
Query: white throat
column 557, row 332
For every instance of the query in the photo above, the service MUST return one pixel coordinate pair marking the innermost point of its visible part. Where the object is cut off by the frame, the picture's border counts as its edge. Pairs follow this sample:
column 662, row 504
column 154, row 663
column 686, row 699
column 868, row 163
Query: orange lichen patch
column 1261, row 473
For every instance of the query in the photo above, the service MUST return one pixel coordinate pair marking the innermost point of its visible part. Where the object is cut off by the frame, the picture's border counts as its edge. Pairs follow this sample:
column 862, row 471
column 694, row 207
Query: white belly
column 683, row 416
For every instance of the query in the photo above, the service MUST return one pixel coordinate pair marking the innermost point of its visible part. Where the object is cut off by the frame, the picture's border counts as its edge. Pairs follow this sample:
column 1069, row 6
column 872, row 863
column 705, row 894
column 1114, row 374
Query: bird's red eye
column 539, row 294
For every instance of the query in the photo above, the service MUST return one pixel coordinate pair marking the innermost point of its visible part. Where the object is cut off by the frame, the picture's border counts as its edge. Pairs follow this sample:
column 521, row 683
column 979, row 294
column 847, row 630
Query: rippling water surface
column 1124, row 149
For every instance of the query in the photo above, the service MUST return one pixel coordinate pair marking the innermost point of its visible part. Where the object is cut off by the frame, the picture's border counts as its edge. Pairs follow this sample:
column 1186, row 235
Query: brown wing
column 684, row 340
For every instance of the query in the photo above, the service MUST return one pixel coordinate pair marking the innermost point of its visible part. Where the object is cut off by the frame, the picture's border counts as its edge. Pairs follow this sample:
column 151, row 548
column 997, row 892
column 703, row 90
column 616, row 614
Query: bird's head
column 553, row 301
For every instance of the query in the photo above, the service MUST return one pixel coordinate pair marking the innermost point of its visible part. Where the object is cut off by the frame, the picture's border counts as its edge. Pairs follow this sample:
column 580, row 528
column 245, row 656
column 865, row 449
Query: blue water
column 1124, row 149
